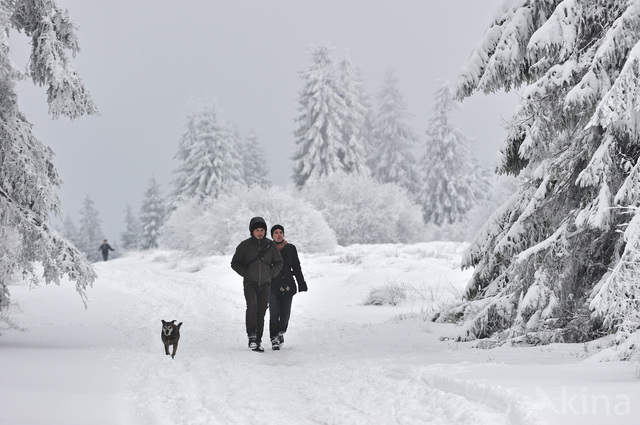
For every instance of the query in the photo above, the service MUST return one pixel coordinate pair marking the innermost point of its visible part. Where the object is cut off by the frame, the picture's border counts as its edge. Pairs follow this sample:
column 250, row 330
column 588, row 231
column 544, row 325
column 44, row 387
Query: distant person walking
column 105, row 248
column 258, row 261
column 283, row 288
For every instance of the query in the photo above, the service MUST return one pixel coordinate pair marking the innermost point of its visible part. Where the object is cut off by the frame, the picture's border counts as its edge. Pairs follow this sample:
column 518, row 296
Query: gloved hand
column 302, row 287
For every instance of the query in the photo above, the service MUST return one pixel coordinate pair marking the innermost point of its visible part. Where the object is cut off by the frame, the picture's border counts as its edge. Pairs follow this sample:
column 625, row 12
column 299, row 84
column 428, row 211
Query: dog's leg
column 166, row 349
column 175, row 348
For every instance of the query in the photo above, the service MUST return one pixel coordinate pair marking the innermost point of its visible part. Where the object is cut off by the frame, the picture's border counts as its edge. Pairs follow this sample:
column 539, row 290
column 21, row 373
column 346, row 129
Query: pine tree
column 321, row 149
column 551, row 263
column 152, row 216
column 391, row 157
column 131, row 236
column 28, row 178
column 70, row 231
column 90, row 234
column 209, row 155
column 354, row 129
column 451, row 182
column 255, row 165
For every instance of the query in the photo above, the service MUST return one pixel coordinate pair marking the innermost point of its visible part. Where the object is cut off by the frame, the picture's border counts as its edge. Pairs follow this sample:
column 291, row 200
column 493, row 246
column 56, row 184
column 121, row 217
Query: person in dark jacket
column 105, row 247
column 283, row 288
column 258, row 261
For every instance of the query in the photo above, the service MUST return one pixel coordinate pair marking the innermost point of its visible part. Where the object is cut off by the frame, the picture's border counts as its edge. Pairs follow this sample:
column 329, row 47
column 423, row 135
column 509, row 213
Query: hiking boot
column 275, row 343
column 280, row 337
column 258, row 348
column 253, row 342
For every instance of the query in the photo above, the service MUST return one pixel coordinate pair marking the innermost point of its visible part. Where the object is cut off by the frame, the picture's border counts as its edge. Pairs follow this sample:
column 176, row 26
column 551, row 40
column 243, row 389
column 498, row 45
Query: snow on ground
column 343, row 362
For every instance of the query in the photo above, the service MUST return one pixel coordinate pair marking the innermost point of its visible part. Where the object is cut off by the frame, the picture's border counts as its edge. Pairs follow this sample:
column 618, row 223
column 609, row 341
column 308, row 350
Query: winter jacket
column 105, row 248
column 257, row 271
column 283, row 283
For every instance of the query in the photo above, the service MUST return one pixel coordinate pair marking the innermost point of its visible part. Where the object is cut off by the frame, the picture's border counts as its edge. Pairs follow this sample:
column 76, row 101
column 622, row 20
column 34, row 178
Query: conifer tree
column 450, row 181
column 354, row 129
column 321, row 148
column 28, row 178
column 90, row 234
column 70, row 231
column 551, row 263
column 131, row 236
column 254, row 159
column 152, row 216
column 391, row 157
column 209, row 155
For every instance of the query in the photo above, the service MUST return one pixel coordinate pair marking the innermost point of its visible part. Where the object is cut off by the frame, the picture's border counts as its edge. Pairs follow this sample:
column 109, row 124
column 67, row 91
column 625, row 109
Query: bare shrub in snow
column 393, row 293
column 216, row 226
column 349, row 259
column 361, row 210
column 427, row 299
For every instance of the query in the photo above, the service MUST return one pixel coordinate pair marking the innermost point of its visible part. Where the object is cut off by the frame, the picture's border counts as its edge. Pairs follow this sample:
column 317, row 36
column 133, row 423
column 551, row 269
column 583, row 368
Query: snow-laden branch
column 60, row 257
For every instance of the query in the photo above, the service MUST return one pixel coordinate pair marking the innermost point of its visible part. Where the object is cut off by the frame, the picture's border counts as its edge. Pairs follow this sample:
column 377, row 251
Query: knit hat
column 276, row 227
column 257, row 223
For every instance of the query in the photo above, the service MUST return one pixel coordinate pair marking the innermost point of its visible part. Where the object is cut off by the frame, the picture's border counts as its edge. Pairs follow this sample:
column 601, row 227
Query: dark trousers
column 257, row 298
column 279, row 313
column 105, row 255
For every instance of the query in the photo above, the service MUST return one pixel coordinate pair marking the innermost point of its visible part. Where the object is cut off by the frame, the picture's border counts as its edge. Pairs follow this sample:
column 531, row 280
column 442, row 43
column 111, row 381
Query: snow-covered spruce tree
column 390, row 156
column 70, row 231
column 551, row 263
column 90, row 234
column 209, row 155
column 152, row 216
column 501, row 188
column 28, row 178
column 450, row 180
column 354, row 120
column 321, row 149
column 617, row 297
column 255, row 165
column 131, row 236
column 351, row 77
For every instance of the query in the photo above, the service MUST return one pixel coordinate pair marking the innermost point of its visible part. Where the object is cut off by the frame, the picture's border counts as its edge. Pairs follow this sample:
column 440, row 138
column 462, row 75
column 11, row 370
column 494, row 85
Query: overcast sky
column 146, row 61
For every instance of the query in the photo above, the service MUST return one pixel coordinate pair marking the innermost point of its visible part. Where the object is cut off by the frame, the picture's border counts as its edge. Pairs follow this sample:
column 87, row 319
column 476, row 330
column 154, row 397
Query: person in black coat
column 283, row 288
column 258, row 261
column 105, row 248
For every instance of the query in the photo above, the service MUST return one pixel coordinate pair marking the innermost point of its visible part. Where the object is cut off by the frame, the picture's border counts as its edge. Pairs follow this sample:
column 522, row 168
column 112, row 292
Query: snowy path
column 328, row 371
column 342, row 363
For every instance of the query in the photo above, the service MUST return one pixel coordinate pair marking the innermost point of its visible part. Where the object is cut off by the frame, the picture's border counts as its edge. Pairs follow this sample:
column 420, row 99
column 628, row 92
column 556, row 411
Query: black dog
column 170, row 336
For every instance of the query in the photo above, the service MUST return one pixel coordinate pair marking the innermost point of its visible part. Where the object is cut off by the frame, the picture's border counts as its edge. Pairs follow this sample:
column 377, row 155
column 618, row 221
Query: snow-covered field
column 343, row 362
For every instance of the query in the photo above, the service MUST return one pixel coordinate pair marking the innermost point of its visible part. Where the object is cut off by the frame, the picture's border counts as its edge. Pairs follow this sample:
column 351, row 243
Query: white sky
column 146, row 61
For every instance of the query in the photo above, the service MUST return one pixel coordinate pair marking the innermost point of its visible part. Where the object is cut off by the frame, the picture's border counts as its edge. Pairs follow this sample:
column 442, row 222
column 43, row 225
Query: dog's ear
column 163, row 322
column 173, row 322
